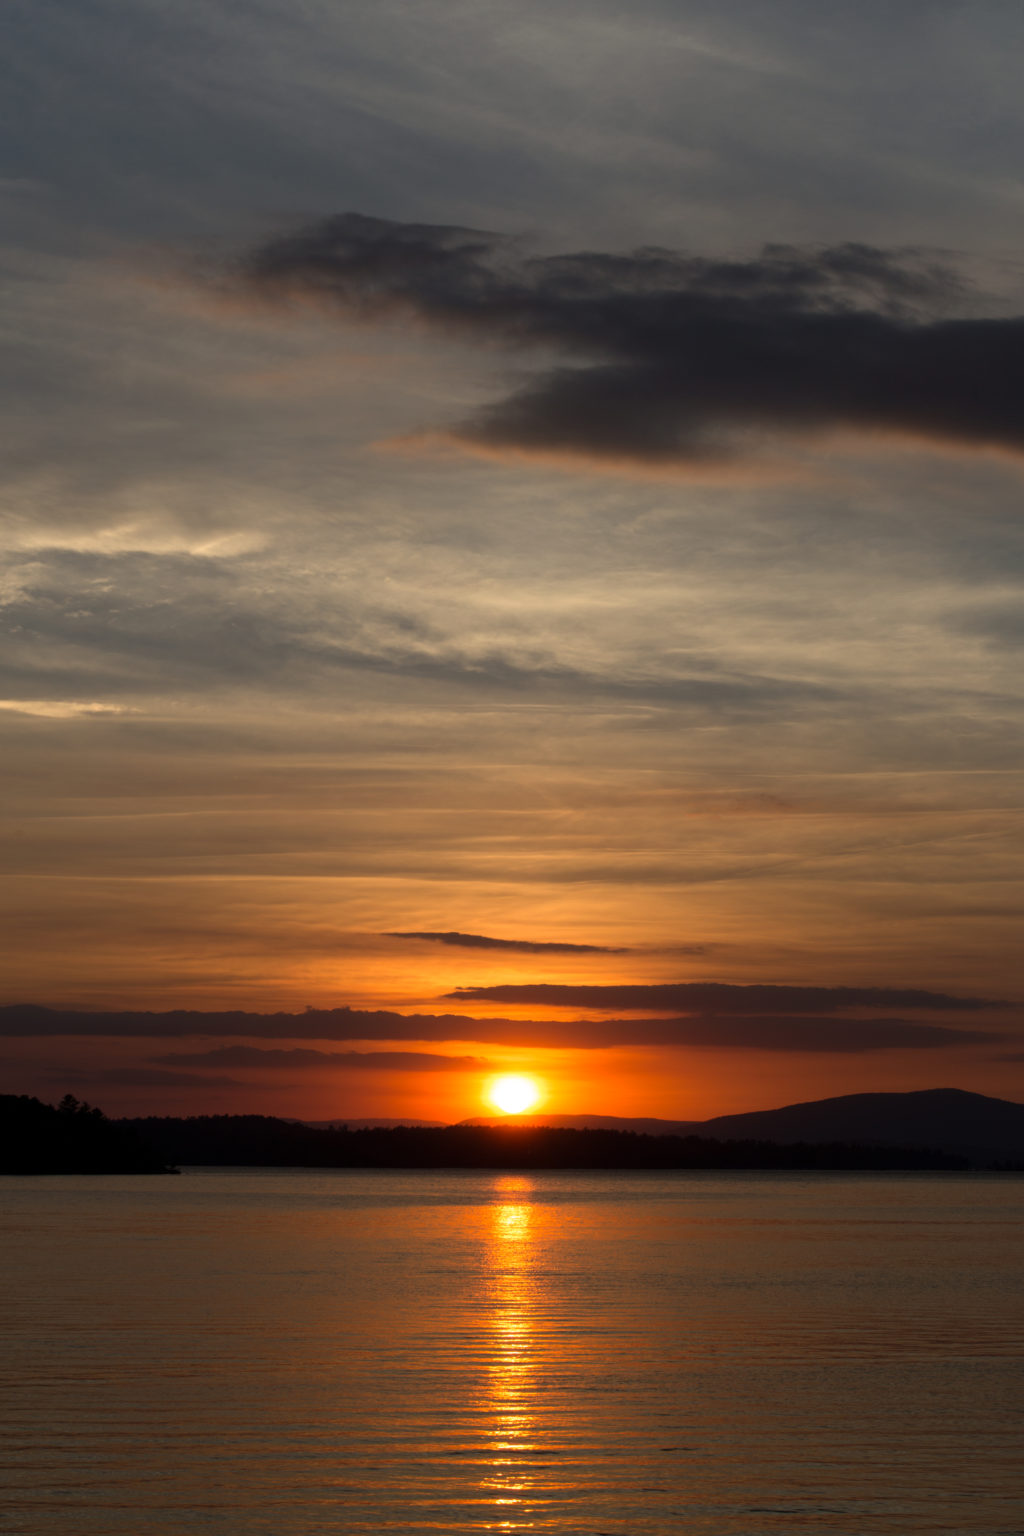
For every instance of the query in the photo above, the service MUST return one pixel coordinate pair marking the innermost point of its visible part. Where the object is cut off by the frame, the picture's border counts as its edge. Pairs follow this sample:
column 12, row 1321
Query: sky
column 512, row 552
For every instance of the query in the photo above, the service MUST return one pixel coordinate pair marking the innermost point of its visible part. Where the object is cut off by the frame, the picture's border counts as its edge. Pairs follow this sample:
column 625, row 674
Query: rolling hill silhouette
column 947, row 1119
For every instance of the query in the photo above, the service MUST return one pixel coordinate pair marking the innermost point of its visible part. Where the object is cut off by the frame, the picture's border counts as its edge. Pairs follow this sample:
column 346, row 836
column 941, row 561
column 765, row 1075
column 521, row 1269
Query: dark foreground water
column 289, row 1352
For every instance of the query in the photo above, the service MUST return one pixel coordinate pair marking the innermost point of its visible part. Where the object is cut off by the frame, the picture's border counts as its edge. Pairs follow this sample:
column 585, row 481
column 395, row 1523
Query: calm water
column 292, row 1352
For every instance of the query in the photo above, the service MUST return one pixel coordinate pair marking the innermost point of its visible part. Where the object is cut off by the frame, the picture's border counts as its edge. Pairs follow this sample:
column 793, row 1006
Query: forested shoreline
column 71, row 1137
column 74, row 1137
column 263, row 1141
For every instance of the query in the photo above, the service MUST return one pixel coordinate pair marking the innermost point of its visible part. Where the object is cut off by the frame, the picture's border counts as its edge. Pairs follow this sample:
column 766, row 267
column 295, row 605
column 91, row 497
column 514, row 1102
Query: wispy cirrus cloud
column 666, row 359
column 139, row 626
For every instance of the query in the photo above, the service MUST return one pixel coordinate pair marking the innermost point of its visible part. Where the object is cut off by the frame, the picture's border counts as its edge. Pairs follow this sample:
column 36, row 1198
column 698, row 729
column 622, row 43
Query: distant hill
column 71, row 1138
column 979, row 1127
column 949, row 1119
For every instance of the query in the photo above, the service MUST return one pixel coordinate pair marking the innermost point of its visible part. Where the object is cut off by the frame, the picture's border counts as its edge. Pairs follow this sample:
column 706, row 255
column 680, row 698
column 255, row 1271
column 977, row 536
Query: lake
column 287, row 1351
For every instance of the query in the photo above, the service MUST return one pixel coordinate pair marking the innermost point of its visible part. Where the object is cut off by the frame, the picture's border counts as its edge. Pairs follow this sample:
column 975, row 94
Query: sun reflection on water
column 512, row 1363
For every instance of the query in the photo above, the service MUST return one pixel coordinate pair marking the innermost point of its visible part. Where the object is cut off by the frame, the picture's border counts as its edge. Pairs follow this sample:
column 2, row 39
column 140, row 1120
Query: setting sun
column 513, row 1095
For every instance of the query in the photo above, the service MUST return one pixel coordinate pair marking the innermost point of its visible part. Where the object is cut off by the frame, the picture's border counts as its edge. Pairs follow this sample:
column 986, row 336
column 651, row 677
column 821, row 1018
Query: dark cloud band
column 520, row 946
column 782, row 1030
column 662, row 358
column 721, row 997
column 333, row 1061
column 142, row 1077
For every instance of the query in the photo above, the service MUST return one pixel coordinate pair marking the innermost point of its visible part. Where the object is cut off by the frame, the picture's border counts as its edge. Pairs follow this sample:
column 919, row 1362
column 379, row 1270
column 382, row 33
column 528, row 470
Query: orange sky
column 525, row 507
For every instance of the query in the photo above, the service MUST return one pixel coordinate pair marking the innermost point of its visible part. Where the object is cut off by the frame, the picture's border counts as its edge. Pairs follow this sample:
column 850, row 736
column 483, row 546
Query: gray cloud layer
column 727, row 1029
column 139, row 625
column 144, row 1077
column 346, row 1061
column 664, row 358
column 718, row 997
column 521, row 946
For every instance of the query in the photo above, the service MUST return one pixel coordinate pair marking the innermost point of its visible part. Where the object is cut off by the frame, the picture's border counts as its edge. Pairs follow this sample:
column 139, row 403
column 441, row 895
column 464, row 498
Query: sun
column 513, row 1095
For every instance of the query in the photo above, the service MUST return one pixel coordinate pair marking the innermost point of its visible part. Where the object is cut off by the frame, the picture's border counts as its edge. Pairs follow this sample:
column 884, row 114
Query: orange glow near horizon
column 513, row 1093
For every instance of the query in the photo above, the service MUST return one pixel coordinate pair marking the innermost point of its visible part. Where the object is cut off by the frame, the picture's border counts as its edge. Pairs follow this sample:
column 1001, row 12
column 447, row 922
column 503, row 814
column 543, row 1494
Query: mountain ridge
column 948, row 1119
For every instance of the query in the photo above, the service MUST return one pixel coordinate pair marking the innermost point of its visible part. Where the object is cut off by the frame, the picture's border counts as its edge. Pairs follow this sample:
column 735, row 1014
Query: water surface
column 253, row 1351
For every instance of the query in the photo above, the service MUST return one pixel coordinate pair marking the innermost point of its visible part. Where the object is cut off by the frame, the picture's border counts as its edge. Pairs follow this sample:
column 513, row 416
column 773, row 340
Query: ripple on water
column 295, row 1352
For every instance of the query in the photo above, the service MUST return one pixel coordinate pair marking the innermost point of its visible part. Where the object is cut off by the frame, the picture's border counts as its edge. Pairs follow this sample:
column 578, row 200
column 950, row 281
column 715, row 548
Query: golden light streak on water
column 512, row 1364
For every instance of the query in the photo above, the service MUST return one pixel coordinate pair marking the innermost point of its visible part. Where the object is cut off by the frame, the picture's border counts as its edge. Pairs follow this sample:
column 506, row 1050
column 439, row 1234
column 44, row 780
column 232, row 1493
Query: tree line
column 264, row 1141
column 74, row 1137
column 71, row 1137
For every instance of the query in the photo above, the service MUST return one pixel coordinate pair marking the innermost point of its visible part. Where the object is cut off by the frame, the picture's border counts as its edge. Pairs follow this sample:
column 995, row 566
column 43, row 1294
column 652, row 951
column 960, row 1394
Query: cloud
column 138, row 627
column 831, row 1036
column 659, row 358
column 334, row 1061
column 727, row 1030
column 720, row 997
column 146, row 1077
column 1000, row 624
column 58, row 709
column 521, row 946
